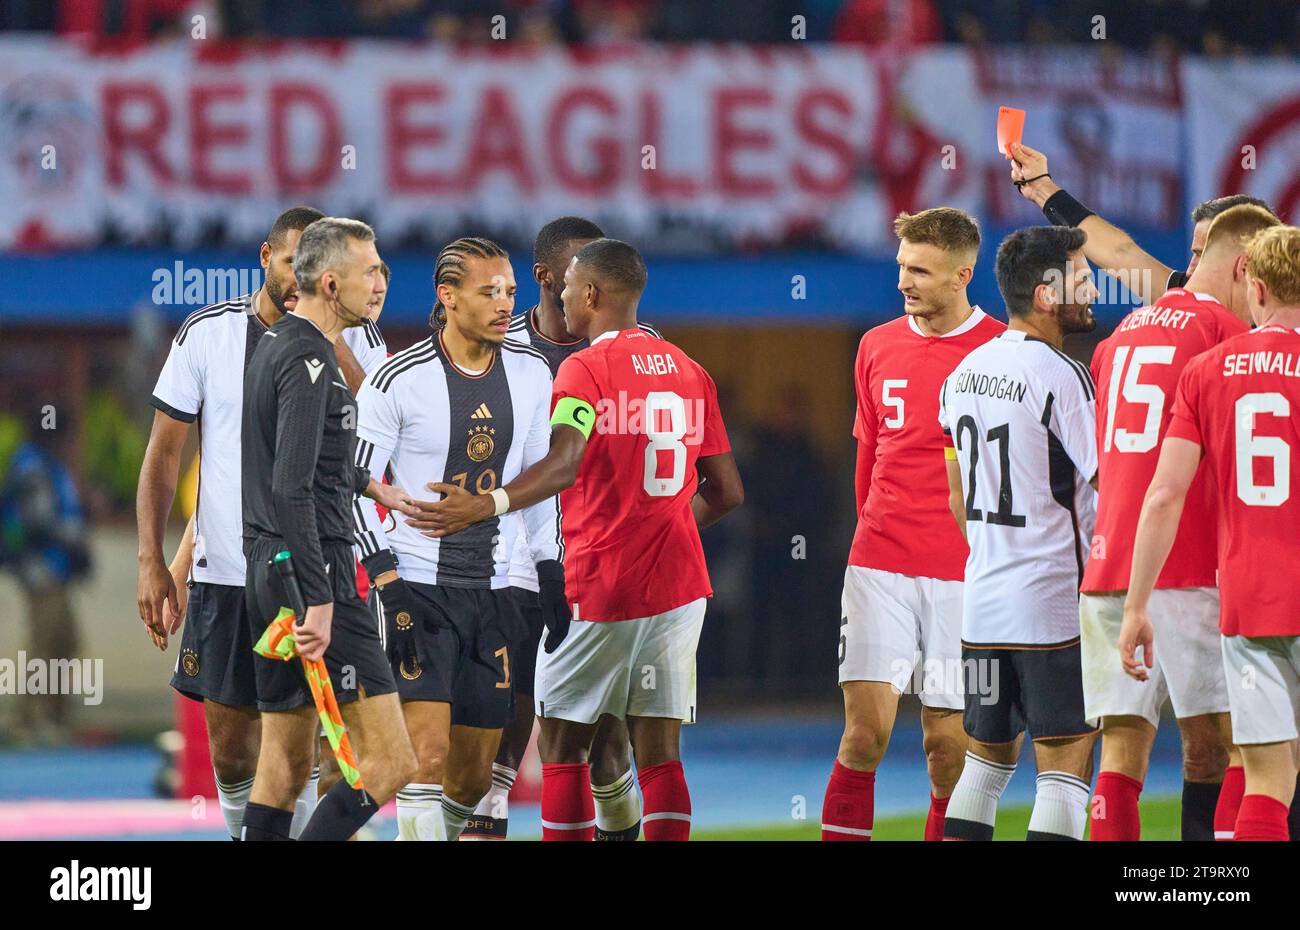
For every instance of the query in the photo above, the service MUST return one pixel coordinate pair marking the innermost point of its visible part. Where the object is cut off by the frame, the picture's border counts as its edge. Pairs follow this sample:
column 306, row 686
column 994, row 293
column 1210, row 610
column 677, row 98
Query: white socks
column 454, row 814
column 492, row 815
column 233, row 800
column 305, row 806
column 618, row 806
column 973, row 807
column 1060, row 807
column 419, row 813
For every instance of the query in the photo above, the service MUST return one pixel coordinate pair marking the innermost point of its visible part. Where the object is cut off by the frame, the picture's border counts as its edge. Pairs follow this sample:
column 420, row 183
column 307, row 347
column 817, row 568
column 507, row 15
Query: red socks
column 1261, row 818
column 568, row 812
column 1114, row 812
column 934, row 820
column 666, row 811
column 849, row 809
column 1230, row 792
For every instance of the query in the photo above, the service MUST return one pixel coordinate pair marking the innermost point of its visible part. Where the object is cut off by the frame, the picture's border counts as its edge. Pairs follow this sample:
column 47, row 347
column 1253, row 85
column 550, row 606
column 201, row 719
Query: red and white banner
column 1244, row 120
column 683, row 148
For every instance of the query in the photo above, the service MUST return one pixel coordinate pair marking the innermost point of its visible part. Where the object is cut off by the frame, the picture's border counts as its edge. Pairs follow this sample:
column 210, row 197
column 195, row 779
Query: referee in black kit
column 299, row 487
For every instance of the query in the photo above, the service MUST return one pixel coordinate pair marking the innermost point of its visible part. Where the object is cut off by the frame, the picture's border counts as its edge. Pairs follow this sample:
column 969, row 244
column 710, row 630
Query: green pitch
column 1160, row 821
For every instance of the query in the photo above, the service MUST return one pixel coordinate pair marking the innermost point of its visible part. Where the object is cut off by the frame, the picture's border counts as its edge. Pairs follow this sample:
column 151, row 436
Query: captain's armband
column 575, row 412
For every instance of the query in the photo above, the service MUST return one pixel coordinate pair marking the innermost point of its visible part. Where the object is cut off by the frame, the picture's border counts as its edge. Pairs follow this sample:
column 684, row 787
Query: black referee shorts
column 1009, row 690
column 355, row 656
column 469, row 663
column 216, row 657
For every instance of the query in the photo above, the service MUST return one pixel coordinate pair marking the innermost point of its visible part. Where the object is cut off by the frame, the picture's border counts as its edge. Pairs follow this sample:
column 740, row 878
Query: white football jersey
column 434, row 422
column 1022, row 417
column 203, row 380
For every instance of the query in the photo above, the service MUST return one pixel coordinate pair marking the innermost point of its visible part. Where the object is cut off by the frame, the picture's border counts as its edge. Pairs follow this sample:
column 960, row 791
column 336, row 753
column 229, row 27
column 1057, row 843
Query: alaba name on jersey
column 1136, row 372
column 1240, row 402
column 1021, row 417
column 523, row 328
column 632, row 549
column 905, row 525
column 434, row 422
column 203, row 380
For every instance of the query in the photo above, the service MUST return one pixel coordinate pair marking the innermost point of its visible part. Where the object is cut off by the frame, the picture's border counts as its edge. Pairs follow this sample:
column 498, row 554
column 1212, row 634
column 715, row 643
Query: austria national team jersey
column 1136, row 372
column 1021, row 416
column 203, row 380
column 523, row 328
column 1240, row 402
column 632, row 547
column 432, row 421
column 905, row 525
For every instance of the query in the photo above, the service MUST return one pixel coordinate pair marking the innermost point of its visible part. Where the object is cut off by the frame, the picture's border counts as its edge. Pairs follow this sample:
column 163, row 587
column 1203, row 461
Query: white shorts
column 1188, row 660
column 905, row 630
column 627, row 668
column 1263, row 674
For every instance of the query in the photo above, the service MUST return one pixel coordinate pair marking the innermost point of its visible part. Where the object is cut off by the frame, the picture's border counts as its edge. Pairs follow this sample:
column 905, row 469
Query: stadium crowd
column 1169, row 26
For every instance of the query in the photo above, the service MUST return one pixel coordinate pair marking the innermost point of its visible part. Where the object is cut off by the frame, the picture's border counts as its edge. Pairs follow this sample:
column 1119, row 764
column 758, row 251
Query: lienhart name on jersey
column 1158, row 316
column 654, row 364
column 1261, row 363
column 1001, row 387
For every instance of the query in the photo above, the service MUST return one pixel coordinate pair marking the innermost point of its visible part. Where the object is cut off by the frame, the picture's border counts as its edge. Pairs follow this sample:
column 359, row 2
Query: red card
column 1011, row 126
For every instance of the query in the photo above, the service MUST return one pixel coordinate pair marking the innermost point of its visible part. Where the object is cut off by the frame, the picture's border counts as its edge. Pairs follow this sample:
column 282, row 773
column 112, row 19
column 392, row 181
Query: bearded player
column 1136, row 370
column 903, row 585
column 640, row 475
column 1238, row 406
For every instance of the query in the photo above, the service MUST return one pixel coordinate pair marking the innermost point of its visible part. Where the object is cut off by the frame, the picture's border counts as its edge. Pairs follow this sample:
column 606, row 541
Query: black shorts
column 469, row 662
column 1009, row 690
column 532, row 628
column 216, row 657
column 355, row 657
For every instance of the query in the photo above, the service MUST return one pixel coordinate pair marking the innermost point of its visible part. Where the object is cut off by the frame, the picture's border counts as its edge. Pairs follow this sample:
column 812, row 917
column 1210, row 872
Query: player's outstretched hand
column 312, row 636
column 393, row 498
column 1136, row 631
column 155, row 594
column 555, row 604
column 457, row 510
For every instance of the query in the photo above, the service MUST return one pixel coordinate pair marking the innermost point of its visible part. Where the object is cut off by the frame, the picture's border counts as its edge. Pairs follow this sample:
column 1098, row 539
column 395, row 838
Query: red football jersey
column 905, row 525
column 1136, row 372
column 631, row 546
column 1240, row 402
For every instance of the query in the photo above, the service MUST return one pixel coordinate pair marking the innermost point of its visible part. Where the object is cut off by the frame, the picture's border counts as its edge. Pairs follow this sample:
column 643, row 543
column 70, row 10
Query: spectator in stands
column 898, row 24
column 43, row 543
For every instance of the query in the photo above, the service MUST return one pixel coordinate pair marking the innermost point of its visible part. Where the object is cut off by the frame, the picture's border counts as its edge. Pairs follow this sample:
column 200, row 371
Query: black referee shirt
column 299, row 445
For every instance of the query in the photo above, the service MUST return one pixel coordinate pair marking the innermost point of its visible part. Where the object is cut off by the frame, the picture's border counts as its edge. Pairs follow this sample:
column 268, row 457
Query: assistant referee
column 299, row 488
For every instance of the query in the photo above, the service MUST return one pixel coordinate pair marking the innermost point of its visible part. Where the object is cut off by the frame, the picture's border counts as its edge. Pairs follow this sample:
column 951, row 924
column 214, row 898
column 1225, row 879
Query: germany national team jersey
column 1240, row 402
column 1020, row 414
column 523, row 328
column 1136, row 371
column 632, row 547
column 905, row 525
column 203, row 380
column 435, row 422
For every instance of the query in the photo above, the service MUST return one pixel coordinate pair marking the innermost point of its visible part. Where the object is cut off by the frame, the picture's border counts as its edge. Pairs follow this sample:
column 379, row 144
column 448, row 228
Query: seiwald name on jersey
column 523, row 328
column 1020, row 413
column 1240, row 402
column 433, row 422
column 632, row 547
column 203, row 380
column 905, row 525
column 1136, row 371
